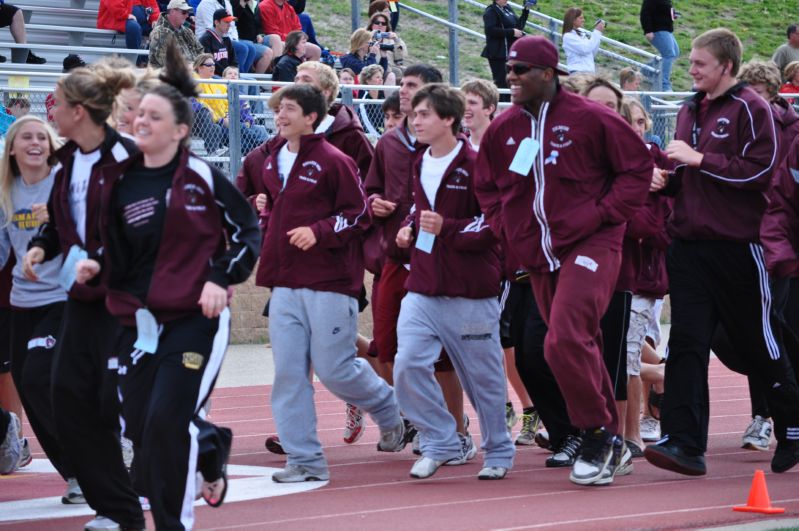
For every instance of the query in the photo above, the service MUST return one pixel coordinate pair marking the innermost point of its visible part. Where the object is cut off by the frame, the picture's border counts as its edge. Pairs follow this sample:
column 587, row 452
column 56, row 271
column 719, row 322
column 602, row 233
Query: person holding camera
column 364, row 51
column 580, row 45
column 390, row 42
column 502, row 28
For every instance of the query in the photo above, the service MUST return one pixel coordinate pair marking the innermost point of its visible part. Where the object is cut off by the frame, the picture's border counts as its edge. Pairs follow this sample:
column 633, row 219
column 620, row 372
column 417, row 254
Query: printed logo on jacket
column 561, row 140
column 194, row 198
column 310, row 171
column 722, row 128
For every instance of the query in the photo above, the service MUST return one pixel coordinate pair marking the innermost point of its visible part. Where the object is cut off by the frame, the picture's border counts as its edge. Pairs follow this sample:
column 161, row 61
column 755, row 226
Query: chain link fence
column 225, row 137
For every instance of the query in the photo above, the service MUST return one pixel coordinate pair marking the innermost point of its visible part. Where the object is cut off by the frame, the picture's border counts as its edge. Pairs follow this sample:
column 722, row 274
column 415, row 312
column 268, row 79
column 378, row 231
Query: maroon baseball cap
column 538, row 51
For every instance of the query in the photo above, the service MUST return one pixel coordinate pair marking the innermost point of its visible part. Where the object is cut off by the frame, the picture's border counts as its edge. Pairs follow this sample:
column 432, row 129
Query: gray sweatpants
column 469, row 331
column 318, row 328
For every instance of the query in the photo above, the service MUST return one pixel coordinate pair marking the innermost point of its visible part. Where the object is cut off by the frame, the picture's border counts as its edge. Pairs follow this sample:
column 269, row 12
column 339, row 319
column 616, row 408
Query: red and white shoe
column 355, row 426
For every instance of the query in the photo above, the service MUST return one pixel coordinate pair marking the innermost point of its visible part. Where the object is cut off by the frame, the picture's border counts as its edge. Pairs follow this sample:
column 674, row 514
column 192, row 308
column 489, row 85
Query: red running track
column 371, row 490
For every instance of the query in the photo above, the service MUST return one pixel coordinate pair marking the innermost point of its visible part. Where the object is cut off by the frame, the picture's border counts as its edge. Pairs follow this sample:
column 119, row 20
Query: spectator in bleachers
column 216, row 41
column 278, row 19
column 11, row 17
column 630, row 79
column 18, row 107
column 246, row 113
column 305, row 21
column 392, row 114
column 134, row 18
column 285, row 68
column 220, row 109
column 789, row 51
column 382, row 6
column 370, row 113
column 392, row 44
column 363, row 52
column 71, row 62
column 657, row 21
column 249, row 54
column 791, row 75
column 580, row 45
column 248, row 20
column 502, row 27
column 206, row 115
column 347, row 77
column 171, row 23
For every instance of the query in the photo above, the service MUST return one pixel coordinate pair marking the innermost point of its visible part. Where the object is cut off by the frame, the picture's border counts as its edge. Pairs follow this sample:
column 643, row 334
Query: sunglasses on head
column 520, row 68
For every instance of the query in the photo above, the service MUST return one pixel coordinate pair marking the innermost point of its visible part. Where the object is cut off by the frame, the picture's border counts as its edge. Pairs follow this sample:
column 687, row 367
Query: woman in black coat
column 502, row 27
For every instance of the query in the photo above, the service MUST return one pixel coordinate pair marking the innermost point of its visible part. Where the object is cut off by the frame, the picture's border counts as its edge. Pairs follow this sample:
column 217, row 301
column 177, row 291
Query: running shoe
column 355, row 424
column 510, row 416
column 25, row 456
column 758, row 435
column 565, row 453
column 531, row 423
column 298, row 474
column 272, row 444
column 10, row 448
column 650, row 429
column 74, row 494
column 596, row 463
column 468, row 451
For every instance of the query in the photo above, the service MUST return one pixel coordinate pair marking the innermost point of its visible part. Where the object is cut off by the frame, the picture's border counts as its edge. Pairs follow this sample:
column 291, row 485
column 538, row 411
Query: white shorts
column 654, row 327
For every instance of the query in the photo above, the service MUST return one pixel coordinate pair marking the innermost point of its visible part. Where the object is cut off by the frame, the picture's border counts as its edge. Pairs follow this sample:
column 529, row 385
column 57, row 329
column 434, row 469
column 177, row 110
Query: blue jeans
column 134, row 29
column 667, row 46
column 247, row 54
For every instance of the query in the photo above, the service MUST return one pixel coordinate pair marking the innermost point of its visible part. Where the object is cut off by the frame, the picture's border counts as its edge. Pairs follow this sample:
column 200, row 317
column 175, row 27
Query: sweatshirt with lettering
column 16, row 232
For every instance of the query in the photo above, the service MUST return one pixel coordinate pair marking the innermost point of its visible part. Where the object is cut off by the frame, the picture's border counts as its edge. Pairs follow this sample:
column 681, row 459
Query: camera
column 379, row 35
column 602, row 20
column 387, row 47
column 530, row 3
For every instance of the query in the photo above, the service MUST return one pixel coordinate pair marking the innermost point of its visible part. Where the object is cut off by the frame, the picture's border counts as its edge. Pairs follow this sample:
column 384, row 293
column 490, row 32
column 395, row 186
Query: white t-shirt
column 433, row 171
column 475, row 147
column 79, row 187
column 285, row 162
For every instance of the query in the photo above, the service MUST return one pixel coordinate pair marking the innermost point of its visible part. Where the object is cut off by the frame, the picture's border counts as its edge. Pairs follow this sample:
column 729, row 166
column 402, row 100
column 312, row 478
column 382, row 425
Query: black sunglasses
column 379, row 23
column 519, row 68
column 209, row 65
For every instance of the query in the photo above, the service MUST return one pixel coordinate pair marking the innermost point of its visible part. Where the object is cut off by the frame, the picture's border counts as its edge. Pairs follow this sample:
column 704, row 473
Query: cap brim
column 561, row 72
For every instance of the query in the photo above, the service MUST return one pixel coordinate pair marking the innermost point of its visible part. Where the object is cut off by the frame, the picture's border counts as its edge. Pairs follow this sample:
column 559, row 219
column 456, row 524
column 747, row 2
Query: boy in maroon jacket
column 561, row 187
column 725, row 150
column 311, row 259
column 452, row 297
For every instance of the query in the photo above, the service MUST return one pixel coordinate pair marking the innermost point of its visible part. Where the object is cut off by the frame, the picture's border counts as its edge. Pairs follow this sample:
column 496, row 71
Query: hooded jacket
column 60, row 233
column 113, row 14
column 322, row 192
column 779, row 230
column 278, row 20
column 390, row 177
column 725, row 197
column 787, row 125
column 464, row 260
column 202, row 208
column 590, row 174
column 345, row 133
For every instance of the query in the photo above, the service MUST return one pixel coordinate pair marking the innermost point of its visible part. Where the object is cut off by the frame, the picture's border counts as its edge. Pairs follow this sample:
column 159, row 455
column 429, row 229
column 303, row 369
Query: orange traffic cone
column 759, row 501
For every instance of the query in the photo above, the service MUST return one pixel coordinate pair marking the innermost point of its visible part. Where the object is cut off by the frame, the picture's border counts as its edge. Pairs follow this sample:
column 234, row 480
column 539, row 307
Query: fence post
column 453, row 44
column 234, row 129
column 553, row 31
column 346, row 96
column 356, row 14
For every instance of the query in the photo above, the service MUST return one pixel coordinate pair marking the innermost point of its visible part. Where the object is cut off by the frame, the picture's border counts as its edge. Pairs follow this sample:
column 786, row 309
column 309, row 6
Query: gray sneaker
column 424, row 467
column 101, row 522
column 298, row 474
column 758, row 435
column 392, row 439
column 468, row 449
column 10, row 448
column 25, row 456
column 127, row 451
column 492, row 472
column 531, row 422
column 73, row 495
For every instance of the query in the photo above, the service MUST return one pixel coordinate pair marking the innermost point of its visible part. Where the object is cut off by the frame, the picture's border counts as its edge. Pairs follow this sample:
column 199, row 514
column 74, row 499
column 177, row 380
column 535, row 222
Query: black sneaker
column 34, row 59
column 596, row 461
column 669, row 456
column 565, row 452
column 786, row 456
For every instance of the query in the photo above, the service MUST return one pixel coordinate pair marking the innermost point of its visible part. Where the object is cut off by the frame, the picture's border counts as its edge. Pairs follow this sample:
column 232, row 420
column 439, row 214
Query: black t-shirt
column 140, row 203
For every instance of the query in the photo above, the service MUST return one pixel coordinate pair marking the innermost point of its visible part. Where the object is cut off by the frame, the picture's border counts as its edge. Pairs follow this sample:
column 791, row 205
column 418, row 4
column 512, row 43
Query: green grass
column 759, row 23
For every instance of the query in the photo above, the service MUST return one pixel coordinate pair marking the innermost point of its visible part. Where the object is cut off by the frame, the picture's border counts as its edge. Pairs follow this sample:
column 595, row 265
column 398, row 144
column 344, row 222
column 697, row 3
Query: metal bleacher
column 55, row 29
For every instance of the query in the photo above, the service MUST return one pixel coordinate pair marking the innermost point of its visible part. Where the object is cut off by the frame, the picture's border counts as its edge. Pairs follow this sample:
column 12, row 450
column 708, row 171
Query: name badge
column 525, row 156
column 66, row 277
column 146, row 331
column 424, row 241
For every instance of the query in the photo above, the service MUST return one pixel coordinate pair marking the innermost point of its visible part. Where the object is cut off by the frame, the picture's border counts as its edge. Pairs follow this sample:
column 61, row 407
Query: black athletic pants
column 712, row 283
column 35, row 339
column 86, row 405
column 162, row 398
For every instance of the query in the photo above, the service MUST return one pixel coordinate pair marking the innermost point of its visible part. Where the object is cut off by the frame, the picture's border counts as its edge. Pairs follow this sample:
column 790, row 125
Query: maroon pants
column 572, row 301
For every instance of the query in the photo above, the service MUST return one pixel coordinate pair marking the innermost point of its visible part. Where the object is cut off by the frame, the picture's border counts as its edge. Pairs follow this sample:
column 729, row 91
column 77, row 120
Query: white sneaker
column 424, row 467
column 74, row 494
column 650, row 429
column 10, row 448
column 355, row 424
column 758, row 434
column 468, row 449
column 101, row 522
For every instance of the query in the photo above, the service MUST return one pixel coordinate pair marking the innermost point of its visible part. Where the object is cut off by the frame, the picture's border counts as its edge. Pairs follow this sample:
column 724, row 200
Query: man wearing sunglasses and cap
column 584, row 178
column 172, row 22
